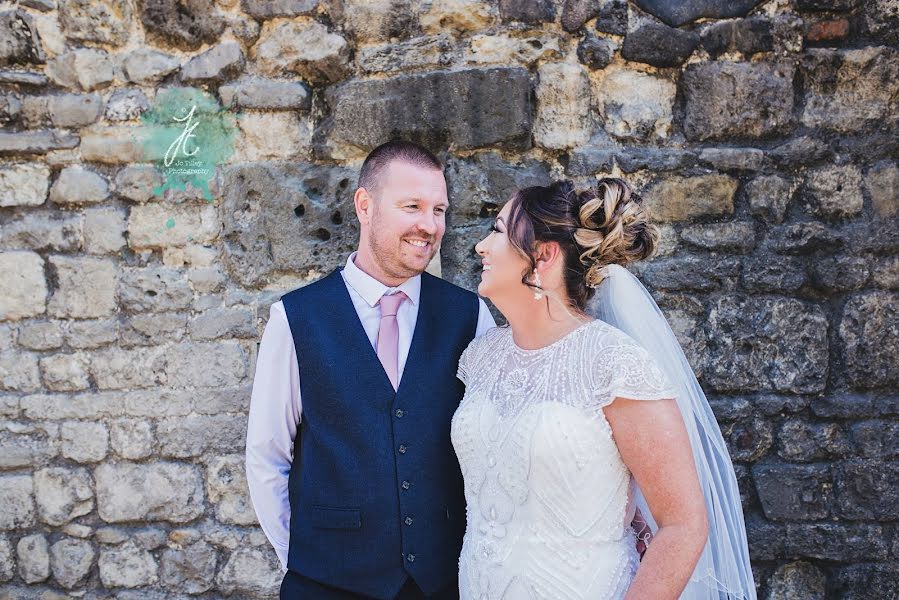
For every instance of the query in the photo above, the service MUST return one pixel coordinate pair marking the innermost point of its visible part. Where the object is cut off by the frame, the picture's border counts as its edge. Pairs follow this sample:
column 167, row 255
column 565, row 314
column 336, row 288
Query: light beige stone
column 163, row 225
column 24, row 184
column 84, row 441
column 62, row 494
column 563, row 106
column 25, row 291
column 87, row 287
column 635, row 105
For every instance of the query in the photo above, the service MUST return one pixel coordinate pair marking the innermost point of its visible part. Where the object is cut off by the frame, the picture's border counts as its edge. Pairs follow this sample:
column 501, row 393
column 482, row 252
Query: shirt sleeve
column 485, row 319
column 632, row 373
column 275, row 409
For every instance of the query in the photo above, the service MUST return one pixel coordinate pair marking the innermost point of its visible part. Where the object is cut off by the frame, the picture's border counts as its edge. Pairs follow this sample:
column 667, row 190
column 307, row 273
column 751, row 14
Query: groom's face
column 408, row 218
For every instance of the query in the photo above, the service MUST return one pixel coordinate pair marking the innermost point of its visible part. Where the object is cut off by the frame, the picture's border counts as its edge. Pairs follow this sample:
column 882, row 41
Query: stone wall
column 764, row 135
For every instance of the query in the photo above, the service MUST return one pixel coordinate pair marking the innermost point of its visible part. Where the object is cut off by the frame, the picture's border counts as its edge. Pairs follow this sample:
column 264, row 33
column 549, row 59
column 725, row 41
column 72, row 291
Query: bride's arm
column 653, row 443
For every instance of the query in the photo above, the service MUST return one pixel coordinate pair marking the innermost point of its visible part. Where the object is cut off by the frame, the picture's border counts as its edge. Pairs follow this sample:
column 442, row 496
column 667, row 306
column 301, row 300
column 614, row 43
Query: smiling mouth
column 418, row 244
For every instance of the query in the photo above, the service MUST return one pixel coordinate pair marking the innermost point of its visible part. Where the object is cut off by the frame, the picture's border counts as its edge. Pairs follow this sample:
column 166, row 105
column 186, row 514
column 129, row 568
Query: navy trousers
column 296, row 587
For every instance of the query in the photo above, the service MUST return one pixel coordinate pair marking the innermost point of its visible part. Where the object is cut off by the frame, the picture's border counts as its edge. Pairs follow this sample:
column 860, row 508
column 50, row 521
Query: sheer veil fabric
column 723, row 570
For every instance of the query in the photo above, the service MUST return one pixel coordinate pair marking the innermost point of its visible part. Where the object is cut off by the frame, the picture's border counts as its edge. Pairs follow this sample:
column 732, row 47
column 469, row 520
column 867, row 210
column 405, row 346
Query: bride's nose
column 479, row 248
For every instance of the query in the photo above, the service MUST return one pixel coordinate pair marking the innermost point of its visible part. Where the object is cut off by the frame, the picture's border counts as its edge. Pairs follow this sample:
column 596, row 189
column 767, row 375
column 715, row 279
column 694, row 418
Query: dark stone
column 828, row 5
column 773, row 274
column 738, row 238
column 869, row 335
column 839, row 273
column 733, row 159
column 256, row 92
column 766, row 344
column 527, row 11
column 861, row 581
column 594, row 52
column 867, row 490
column 19, row 40
column 845, row 405
column 270, row 9
column 799, row 151
column 636, row 159
column 656, row 44
column 747, row 36
column 577, row 12
column 730, row 408
column 804, row 441
column 769, row 197
column 766, row 539
column 793, row 492
column 773, row 405
column 264, row 234
column 798, row 580
column 802, row 238
column 880, row 21
column 468, row 109
column 876, row 439
column 743, row 100
column 691, row 273
column 186, row 24
column 590, row 159
column 36, row 142
column 835, row 541
column 748, row 439
column 612, row 17
column 24, row 78
column 681, row 13
column 459, row 263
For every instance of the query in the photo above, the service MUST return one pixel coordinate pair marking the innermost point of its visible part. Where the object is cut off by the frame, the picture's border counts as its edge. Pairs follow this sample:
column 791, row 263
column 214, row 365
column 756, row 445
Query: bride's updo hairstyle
column 606, row 224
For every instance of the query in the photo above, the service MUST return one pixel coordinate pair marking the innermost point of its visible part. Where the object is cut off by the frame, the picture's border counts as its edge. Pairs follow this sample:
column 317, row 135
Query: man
column 349, row 461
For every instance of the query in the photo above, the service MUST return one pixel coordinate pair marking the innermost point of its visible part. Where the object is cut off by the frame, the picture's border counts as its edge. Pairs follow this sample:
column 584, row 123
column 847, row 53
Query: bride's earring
column 537, row 294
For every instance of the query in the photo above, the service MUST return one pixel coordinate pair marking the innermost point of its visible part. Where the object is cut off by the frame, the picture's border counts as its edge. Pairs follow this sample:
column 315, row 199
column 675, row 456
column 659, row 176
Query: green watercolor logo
column 187, row 134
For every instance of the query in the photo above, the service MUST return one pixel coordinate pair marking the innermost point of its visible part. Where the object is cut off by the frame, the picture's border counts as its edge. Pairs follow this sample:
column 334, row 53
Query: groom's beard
column 388, row 253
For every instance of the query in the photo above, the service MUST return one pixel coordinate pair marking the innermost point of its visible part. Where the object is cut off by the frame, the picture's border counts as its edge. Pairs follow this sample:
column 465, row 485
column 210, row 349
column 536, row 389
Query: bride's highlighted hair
column 605, row 224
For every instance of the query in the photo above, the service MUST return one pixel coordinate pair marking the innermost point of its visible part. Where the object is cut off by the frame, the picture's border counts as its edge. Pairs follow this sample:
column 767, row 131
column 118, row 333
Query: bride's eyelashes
column 493, row 228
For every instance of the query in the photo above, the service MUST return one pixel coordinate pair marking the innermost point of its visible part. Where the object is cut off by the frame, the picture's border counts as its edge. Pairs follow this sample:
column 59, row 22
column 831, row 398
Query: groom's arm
column 485, row 319
column 275, row 410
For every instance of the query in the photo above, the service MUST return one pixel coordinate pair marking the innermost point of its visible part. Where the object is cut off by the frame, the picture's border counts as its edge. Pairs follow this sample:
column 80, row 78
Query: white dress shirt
column 276, row 407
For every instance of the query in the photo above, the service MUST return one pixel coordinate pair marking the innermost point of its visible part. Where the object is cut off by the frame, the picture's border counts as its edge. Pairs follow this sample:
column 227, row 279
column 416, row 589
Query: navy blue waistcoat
column 375, row 489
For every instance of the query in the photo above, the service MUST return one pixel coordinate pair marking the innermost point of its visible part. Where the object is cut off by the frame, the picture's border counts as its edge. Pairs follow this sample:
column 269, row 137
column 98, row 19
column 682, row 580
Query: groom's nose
column 428, row 225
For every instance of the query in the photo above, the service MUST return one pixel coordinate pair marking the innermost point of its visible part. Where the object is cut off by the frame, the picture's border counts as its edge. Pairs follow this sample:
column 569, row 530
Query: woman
column 568, row 423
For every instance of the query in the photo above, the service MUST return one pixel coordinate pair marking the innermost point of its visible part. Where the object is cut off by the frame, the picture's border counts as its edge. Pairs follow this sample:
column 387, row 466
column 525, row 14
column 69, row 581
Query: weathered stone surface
column 683, row 198
column 114, row 145
column 416, row 53
column 803, row 441
column 7, row 562
column 797, row 580
column 127, row 566
column 27, row 296
column 17, row 500
column 866, row 490
column 196, row 435
column 747, row 36
column 116, row 369
column 854, row 582
column 257, row 92
column 869, row 335
column 71, row 561
column 83, row 441
column 104, row 230
column 126, row 105
column 184, row 24
column 724, row 99
column 774, row 275
column 737, row 159
column 132, row 438
column 153, row 289
column 24, row 185
column 20, row 43
column 791, row 492
column 457, row 15
column 304, row 47
column 153, row 329
column 881, row 20
column 86, row 287
column 841, row 274
column 166, row 226
column 690, row 272
column 65, row 372
column 62, row 494
column 36, row 142
column 681, row 13
column 106, row 21
column 289, row 217
column 136, row 183
column 882, row 183
column 251, row 571
column 834, row 192
column 257, row 144
column 151, row 492
column 77, row 185
column 527, row 11
column 748, row 439
column 847, row 90
column 435, row 109
column 595, row 52
column 228, row 491
column 651, row 42
column 727, row 237
column 563, row 106
column 769, row 197
column 27, row 445
column 612, row 17
column 269, row 9
column 83, row 69
column 148, row 66
column 19, row 371
column 224, row 323
column 802, row 238
column 34, row 558
column 190, row 569
column 767, row 344
column 74, row 110
column 219, row 62
column 40, row 335
column 635, row 105
column 90, row 334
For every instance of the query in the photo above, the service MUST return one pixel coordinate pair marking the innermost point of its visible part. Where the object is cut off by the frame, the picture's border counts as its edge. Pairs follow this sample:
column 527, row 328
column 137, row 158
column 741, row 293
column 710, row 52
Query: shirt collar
column 371, row 289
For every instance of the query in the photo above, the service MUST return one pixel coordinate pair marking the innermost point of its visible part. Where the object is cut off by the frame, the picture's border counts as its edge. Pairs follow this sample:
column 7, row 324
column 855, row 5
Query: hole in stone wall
column 536, row 44
column 336, row 218
column 343, row 183
column 300, row 210
column 488, row 209
column 323, row 234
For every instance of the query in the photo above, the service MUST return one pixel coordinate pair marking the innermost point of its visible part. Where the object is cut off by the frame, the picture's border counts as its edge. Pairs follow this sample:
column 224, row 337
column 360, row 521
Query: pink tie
column 389, row 335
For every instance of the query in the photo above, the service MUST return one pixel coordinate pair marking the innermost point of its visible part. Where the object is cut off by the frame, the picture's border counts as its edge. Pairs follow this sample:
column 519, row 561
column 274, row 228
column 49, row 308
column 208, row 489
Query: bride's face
column 503, row 265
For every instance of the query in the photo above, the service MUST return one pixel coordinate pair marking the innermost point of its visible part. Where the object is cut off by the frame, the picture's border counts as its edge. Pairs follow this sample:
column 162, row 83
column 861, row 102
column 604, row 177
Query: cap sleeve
column 631, row 373
column 465, row 361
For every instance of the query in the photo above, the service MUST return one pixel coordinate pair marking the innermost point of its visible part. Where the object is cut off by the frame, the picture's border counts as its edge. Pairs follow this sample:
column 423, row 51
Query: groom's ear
column 364, row 205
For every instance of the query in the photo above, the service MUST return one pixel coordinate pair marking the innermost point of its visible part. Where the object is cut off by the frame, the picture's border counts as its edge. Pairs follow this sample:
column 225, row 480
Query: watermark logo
column 187, row 134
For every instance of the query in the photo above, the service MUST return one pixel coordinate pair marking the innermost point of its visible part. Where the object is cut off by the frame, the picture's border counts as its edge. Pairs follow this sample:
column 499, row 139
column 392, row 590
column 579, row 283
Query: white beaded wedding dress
column 549, row 499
